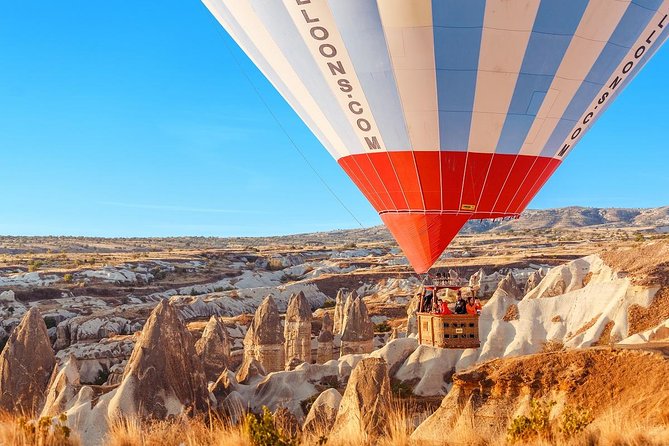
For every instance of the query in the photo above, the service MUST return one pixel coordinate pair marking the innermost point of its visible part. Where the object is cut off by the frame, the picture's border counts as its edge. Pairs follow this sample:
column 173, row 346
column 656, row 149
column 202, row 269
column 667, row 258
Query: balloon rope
column 276, row 119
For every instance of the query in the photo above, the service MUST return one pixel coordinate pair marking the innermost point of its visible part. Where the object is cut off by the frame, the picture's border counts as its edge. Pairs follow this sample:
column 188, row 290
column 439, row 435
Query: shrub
column 401, row 389
column 383, row 327
column 102, row 377
column 574, row 420
column 67, row 278
column 45, row 431
column 329, row 304
column 34, row 265
column 263, row 431
column 306, row 404
column 535, row 424
column 50, row 322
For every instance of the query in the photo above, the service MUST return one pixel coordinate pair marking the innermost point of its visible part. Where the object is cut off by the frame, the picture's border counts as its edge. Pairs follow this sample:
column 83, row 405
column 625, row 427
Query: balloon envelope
column 443, row 111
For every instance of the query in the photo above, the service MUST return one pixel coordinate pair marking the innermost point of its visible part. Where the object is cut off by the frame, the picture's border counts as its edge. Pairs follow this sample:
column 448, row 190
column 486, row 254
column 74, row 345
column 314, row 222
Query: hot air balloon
column 442, row 111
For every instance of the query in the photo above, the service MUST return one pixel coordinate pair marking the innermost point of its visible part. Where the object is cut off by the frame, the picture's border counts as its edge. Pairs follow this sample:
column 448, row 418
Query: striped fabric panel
column 407, row 25
column 600, row 20
column 553, row 30
column 458, row 26
column 506, row 32
column 367, row 47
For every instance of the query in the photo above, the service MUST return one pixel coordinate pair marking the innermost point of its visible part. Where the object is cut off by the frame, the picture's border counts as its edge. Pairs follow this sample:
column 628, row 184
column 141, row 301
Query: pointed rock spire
column 213, row 348
column 26, row 365
column 164, row 376
column 297, row 330
column 264, row 339
column 358, row 331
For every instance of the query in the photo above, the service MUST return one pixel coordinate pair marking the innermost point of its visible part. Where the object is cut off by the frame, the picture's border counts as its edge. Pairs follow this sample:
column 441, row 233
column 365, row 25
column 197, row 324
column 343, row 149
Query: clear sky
column 130, row 118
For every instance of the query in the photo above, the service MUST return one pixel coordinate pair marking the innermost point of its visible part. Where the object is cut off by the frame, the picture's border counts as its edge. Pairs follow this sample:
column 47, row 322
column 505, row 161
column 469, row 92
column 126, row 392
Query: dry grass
column 613, row 428
column 21, row 431
column 183, row 431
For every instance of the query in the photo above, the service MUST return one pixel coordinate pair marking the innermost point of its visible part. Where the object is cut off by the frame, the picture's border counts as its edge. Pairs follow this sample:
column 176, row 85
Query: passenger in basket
column 444, row 308
column 427, row 301
column 460, row 305
column 472, row 307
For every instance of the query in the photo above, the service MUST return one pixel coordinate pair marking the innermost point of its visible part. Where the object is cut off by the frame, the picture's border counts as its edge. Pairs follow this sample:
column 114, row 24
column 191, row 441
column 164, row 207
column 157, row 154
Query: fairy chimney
column 325, row 341
column 358, row 331
column 264, row 339
column 297, row 331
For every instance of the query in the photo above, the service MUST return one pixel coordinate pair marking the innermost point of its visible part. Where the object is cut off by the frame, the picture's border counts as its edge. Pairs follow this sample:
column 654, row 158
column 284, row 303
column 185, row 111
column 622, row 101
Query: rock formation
column 339, row 311
column 412, row 321
column 323, row 412
column 264, row 339
column 26, row 364
column 63, row 387
column 249, row 370
column 223, row 386
column 297, row 331
column 213, row 348
column 164, row 376
column 489, row 394
column 533, row 280
column 358, row 331
column 325, row 341
column 508, row 287
column 364, row 406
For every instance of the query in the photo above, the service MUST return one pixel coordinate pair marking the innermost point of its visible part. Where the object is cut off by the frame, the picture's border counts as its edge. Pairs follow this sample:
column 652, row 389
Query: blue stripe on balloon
column 359, row 24
column 458, row 25
column 249, row 47
column 628, row 30
column 280, row 25
column 648, row 4
column 553, row 30
column 638, row 67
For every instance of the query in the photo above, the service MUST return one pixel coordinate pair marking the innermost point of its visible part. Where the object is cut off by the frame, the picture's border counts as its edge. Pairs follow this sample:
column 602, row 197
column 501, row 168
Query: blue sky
column 128, row 119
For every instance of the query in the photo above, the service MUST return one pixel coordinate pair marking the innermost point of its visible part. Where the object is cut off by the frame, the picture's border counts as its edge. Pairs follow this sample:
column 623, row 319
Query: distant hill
column 578, row 217
column 569, row 218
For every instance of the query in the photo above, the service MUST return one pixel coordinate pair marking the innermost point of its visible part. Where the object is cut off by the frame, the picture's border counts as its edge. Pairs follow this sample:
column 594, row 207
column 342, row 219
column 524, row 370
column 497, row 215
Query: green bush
column 263, row 431
column 45, row 430
column 401, row 389
column 573, row 421
column 67, row 278
column 535, row 424
column 383, row 327
column 34, row 265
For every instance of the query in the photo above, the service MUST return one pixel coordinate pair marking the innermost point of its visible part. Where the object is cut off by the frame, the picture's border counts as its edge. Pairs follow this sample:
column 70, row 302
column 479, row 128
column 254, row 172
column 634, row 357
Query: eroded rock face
column 164, row 376
column 213, row 348
column 339, row 311
column 599, row 381
column 364, row 406
column 63, row 388
column 533, row 280
column 264, row 339
column 26, row 364
column 250, row 370
column 325, row 341
column 412, row 321
column 358, row 331
column 509, row 287
column 223, row 386
column 297, row 331
column 323, row 411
